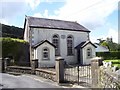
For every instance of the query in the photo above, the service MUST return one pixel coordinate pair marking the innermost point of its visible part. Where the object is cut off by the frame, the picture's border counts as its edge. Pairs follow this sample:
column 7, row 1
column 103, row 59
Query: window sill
column 71, row 55
column 89, row 57
column 45, row 59
column 58, row 55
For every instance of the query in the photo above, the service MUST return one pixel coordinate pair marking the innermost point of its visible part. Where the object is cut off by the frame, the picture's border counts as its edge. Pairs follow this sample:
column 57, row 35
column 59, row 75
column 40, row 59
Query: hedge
column 109, row 55
column 16, row 49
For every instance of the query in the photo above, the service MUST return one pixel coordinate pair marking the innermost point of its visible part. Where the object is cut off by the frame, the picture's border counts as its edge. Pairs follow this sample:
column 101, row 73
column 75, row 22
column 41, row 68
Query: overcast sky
column 99, row 16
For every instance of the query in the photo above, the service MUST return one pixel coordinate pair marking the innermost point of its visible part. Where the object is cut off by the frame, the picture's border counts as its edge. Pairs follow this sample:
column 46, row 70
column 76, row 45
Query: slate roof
column 54, row 24
column 43, row 41
column 101, row 46
column 83, row 44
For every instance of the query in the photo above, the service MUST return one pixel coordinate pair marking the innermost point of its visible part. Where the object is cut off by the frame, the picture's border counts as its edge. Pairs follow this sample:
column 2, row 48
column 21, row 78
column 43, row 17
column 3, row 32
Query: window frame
column 89, row 52
column 70, row 52
column 57, row 49
column 48, row 53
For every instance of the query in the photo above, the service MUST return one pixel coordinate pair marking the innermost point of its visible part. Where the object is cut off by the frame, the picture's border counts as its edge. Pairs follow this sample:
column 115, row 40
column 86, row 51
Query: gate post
column 1, row 65
column 6, row 63
column 34, row 65
column 59, row 70
column 95, row 63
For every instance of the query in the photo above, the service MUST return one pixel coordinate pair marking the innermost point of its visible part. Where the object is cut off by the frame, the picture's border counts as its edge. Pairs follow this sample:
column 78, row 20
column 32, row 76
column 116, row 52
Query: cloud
column 33, row 3
column 90, row 13
column 12, row 9
column 37, row 15
column 111, row 33
column 114, row 34
column 44, row 15
column 3, row 21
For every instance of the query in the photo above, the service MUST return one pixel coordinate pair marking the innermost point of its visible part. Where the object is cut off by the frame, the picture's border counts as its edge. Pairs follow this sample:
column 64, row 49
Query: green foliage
column 113, row 46
column 11, row 31
column 109, row 55
column 105, row 44
column 118, row 47
column 16, row 48
column 100, row 40
column 114, row 61
column 109, row 44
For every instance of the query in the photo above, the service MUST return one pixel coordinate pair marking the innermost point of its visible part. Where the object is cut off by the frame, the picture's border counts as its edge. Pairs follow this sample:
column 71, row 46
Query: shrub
column 16, row 49
column 109, row 55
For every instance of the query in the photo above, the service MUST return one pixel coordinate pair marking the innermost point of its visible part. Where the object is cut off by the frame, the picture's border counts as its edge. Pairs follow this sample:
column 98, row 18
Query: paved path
column 25, row 81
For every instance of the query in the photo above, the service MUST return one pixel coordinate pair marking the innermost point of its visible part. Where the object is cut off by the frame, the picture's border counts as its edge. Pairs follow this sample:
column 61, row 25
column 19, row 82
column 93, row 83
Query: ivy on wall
column 16, row 49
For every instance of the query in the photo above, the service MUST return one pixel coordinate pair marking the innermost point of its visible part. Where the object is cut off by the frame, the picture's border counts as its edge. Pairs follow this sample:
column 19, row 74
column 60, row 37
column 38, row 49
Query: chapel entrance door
column 79, row 56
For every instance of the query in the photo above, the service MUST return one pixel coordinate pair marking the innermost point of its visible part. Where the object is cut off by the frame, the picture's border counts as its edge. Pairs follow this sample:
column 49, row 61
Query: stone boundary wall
column 28, row 70
column 108, row 78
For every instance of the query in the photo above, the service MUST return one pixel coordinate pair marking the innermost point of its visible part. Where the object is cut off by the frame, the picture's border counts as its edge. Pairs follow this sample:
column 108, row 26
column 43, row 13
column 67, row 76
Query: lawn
column 114, row 62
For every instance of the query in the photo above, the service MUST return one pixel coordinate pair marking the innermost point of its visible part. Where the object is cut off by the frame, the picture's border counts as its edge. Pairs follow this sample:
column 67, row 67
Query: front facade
column 50, row 38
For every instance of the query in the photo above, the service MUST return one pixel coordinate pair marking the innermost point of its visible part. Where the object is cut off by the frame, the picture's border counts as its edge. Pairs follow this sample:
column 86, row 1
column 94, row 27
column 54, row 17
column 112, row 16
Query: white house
column 101, row 48
column 50, row 38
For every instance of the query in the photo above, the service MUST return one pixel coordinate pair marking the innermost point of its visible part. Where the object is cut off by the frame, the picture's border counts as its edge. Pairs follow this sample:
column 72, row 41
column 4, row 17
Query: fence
column 80, row 75
column 109, row 79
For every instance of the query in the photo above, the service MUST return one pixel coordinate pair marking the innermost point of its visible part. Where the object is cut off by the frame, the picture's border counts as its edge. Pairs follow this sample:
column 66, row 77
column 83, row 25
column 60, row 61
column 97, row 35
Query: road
column 25, row 81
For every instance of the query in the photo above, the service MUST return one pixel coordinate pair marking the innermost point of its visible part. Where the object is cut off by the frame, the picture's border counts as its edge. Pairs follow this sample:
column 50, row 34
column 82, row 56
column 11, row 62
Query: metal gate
column 78, row 74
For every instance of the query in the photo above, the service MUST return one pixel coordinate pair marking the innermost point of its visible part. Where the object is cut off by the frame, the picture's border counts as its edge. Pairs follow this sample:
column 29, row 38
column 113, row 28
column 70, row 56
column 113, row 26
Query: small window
column 45, row 53
column 89, row 53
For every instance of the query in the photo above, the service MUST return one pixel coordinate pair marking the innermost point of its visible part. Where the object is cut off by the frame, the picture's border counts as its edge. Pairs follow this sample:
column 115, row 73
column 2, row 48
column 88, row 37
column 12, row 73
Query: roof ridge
column 52, row 19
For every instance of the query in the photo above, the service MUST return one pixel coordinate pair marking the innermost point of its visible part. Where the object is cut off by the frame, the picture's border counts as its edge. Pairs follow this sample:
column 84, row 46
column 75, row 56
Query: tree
column 11, row 31
column 105, row 44
column 16, row 48
column 101, row 40
column 109, row 44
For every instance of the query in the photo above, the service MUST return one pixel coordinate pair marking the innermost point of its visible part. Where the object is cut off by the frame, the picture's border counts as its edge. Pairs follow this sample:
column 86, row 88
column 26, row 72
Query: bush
column 16, row 49
column 109, row 55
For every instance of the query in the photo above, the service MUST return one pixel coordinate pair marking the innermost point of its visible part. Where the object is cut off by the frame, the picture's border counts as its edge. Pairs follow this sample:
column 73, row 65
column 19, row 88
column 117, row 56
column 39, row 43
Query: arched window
column 56, row 42
column 70, row 45
column 89, row 53
column 45, row 53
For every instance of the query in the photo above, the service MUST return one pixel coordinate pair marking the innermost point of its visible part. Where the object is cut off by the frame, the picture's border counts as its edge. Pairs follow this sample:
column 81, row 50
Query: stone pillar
column 6, row 63
column 59, row 70
column 95, row 63
column 1, row 65
column 34, row 65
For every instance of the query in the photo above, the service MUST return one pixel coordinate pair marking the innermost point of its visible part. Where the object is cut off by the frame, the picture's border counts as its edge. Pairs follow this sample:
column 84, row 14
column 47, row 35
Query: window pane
column 89, row 53
column 70, row 45
column 45, row 49
column 45, row 53
column 56, row 43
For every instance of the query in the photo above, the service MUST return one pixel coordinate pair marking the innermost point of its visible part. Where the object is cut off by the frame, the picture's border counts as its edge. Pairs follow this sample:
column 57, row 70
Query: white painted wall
column 101, row 48
column 26, row 32
column 38, row 55
column 46, row 34
column 87, row 60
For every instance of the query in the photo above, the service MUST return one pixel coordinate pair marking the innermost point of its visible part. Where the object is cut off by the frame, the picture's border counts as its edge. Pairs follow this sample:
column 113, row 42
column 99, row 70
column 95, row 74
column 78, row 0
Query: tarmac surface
column 27, row 81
